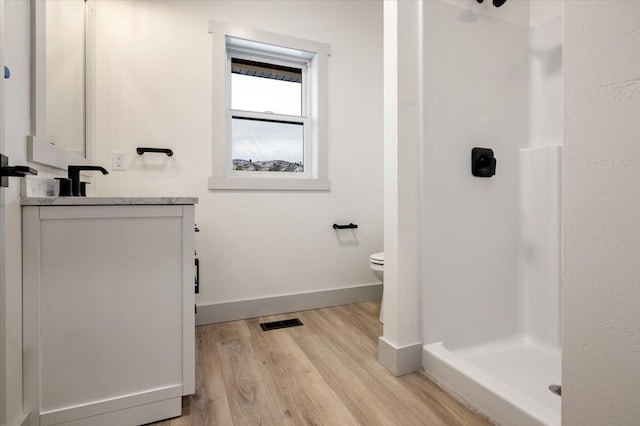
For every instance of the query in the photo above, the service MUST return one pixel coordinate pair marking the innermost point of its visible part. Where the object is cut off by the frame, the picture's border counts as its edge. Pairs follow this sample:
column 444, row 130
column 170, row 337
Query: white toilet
column 376, row 263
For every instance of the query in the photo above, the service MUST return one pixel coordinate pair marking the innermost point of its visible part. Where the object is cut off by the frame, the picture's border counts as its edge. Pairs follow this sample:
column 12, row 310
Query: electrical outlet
column 119, row 161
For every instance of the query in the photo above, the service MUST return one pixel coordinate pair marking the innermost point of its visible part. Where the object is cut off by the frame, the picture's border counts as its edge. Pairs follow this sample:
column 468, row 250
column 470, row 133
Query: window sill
column 269, row 184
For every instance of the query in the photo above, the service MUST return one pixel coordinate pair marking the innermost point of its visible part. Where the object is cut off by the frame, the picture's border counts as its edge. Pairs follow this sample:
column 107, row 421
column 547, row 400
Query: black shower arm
column 496, row 3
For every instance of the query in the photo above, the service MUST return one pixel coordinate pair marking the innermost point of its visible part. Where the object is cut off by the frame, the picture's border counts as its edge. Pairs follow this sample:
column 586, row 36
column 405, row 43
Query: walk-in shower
column 491, row 260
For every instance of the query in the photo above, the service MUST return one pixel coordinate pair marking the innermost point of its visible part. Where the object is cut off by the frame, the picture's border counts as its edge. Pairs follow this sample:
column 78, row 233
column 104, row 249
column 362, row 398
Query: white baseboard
column 144, row 407
column 399, row 360
column 252, row 308
column 27, row 420
column 140, row 415
column 23, row 419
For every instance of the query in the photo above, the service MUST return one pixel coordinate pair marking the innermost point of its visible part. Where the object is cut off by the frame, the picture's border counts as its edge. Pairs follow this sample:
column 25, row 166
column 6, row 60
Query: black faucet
column 74, row 175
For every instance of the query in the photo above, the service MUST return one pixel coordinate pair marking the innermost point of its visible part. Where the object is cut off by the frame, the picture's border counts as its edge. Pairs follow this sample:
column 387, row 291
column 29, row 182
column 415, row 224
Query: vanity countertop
column 105, row 201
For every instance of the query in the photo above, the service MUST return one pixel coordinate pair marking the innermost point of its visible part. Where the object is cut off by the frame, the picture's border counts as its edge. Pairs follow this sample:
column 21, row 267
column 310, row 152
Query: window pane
column 266, row 70
column 262, row 87
column 267, row 146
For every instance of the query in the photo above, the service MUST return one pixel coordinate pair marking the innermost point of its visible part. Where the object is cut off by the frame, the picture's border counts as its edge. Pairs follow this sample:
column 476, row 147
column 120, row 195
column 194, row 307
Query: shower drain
column 557, row 389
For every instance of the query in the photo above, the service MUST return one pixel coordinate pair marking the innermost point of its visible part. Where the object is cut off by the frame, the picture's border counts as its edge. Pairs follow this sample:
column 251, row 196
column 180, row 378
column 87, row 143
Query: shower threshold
column 506, row 379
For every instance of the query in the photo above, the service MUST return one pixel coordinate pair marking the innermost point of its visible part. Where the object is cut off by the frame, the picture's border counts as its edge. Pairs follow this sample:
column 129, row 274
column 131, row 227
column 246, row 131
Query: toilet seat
column 377, row 258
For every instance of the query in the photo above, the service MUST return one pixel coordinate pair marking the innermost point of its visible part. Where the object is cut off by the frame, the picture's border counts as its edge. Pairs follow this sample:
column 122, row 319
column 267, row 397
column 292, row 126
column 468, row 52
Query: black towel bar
column 349, row 226
column 141, row 150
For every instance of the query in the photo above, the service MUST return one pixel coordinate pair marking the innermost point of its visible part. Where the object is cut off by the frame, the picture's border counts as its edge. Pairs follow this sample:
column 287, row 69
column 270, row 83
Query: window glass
column 267, row 146
column 264, row 87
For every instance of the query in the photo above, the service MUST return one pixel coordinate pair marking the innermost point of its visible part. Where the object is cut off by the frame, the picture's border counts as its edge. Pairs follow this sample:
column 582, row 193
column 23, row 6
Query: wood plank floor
column 322, row 373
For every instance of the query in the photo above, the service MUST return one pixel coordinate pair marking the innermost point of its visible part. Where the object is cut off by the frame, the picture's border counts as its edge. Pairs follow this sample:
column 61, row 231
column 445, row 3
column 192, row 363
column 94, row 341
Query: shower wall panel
column 545, row 83
column 539, row 267
column 475, row 95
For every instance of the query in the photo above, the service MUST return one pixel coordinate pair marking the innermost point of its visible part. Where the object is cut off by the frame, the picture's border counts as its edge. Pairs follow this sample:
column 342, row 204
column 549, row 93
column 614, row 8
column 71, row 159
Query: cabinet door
column 111, row 302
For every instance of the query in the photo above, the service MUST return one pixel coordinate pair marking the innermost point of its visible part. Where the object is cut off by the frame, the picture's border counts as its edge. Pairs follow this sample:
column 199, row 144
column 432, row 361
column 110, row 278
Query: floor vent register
column 275, row 325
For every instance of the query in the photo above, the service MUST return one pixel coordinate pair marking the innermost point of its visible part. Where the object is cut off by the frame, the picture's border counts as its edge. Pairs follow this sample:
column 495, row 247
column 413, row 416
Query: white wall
column 154, row 89
column 475, row 95
column 601, row 334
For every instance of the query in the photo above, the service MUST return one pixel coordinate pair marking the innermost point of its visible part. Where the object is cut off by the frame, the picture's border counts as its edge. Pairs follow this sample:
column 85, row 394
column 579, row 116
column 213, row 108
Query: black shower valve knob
column 483, row 163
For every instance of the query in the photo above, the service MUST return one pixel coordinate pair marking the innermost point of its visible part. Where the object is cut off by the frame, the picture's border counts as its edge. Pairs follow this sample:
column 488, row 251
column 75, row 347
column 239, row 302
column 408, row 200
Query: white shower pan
column 506, row 379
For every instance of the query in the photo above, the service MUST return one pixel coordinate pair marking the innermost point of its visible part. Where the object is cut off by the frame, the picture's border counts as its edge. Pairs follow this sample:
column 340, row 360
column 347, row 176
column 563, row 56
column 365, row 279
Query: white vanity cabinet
column 108, row 307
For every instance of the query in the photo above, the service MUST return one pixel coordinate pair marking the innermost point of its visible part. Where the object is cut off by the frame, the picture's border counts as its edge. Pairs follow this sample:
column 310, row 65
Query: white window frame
column 235, row 41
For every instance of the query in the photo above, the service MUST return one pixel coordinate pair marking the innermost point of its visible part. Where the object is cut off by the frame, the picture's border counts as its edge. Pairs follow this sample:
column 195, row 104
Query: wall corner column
column 399, row 349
